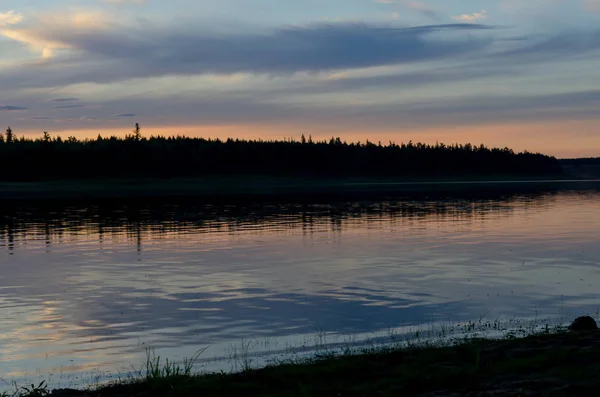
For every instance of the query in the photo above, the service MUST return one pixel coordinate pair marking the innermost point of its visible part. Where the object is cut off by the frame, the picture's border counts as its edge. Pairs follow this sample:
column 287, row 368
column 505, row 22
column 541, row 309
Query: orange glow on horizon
column 560, row 139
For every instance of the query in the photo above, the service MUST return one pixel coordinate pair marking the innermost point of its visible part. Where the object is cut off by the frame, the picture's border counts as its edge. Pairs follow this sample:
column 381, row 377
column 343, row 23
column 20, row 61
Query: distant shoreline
column 261, row 187
column 192, row 159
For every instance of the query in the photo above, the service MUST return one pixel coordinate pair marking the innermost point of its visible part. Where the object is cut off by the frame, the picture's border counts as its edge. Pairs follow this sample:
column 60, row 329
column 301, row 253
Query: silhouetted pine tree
column 9, row 135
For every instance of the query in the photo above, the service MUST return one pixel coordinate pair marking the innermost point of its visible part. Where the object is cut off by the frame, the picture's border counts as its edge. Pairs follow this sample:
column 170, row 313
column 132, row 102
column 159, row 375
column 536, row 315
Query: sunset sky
column 523, row 74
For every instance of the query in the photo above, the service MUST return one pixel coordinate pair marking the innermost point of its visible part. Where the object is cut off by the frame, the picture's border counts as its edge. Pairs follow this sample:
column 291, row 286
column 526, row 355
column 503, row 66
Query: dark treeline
column 581, row 161
column 582, row 168
column 51, row 157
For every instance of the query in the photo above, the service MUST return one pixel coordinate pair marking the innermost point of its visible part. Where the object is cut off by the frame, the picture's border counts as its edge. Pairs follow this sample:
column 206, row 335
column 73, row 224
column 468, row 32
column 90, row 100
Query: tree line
column 51, row 157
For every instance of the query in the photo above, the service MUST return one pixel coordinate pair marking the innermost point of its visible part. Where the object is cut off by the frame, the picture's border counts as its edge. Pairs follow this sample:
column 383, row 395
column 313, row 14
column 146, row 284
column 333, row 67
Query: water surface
column 86, row 288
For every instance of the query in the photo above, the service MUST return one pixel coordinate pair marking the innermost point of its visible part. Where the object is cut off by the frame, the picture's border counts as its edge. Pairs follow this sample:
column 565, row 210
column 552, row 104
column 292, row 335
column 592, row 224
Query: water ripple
column 88, row 286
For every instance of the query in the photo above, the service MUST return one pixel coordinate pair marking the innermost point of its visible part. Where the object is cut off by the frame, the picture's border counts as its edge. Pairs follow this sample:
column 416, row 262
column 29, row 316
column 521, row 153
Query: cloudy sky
column 523, row 74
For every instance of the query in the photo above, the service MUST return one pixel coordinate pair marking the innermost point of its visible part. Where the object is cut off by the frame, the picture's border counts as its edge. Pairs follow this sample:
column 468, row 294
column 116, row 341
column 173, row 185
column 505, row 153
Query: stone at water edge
column 584, row 323
column 68, row 393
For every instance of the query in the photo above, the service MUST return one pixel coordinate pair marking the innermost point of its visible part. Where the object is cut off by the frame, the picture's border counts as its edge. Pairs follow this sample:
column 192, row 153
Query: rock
column 584, row 323
column 68, row 393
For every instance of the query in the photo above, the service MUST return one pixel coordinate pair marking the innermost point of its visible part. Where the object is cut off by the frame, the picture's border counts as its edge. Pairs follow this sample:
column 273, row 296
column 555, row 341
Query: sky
column 521, row 74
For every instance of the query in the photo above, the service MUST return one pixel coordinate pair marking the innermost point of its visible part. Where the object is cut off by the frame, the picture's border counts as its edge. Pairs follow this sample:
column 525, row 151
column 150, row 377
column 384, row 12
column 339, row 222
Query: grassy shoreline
column 256, row 187
column 549, row 363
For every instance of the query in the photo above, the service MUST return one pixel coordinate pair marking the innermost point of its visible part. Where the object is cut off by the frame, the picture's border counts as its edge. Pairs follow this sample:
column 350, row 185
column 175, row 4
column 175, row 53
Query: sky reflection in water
column 90, row 287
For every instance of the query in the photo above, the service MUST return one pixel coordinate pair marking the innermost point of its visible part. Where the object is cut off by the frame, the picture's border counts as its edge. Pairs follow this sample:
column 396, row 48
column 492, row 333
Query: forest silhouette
column 136, row 156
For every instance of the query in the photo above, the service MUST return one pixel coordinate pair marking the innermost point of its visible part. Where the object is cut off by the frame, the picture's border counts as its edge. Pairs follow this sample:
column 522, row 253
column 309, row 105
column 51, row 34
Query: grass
column 547, row 361
column 155, row 369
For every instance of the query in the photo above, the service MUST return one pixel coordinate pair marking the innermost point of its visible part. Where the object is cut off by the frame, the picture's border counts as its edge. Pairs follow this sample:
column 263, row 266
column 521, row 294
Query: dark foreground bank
column 562, row 364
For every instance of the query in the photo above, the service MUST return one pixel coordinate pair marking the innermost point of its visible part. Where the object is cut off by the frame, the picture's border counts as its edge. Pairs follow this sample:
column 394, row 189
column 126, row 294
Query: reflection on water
column 88, row 287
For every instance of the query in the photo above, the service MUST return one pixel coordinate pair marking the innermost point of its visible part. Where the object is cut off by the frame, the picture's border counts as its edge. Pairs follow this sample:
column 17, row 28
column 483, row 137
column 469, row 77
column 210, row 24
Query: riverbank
column 548, row 364
column 258, row 187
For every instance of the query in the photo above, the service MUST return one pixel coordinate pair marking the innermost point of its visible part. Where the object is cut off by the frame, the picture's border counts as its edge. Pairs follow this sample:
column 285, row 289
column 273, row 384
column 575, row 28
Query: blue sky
column 499, row 72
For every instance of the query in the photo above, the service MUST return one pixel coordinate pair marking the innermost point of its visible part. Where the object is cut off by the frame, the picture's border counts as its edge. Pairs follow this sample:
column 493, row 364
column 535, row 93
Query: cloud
column 9, row 108
column 122, row 2
column 592, row 5
column 41, row 118
column 477, row 16
column 272, row 109
column 120, row 53
column 423, row 8
column 419, row 78
column 313, row 109
column 65, row 99
column 88, row 118
column 10, row 18
column 282, row 73
column 416, row 6
column 103, row 56
column 67, row 106
column 43, row 34
column 565, row 45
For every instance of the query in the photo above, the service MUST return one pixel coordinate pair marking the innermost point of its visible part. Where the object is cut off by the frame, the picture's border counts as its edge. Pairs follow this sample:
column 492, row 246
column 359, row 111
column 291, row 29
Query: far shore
column 257, row 187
